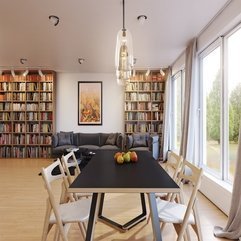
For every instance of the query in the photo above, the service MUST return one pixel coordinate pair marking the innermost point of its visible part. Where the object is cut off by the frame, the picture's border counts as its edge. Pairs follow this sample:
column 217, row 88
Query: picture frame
column 89, row 103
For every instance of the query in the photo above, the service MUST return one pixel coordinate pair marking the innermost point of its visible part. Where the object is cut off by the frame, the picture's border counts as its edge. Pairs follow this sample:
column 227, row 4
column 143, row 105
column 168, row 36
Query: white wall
column 67, row 103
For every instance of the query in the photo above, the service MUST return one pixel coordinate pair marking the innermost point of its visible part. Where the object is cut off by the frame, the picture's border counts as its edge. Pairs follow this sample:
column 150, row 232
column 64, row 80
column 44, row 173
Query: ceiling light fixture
column 81, row 60
column 162, row 73
column 23, row 61
column 147, row 72
column 25, row 73
column 123, row 53
column 54, row 20
column 13, row 73
column 142, row 19
column 40, row 73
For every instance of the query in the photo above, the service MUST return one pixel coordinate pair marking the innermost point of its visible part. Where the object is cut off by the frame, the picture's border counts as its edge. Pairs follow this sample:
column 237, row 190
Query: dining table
column 104, row 175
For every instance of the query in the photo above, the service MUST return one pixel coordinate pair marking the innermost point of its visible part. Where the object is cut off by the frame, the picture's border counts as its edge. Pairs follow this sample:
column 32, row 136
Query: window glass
column 211, row 137
column 234, row 97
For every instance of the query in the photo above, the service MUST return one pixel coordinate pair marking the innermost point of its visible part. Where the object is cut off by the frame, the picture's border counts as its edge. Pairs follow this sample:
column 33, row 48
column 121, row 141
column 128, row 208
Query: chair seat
column 172, row 212
column 77, row 211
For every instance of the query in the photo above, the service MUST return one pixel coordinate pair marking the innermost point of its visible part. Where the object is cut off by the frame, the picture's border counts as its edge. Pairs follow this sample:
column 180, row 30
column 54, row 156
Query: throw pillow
column 111, row 139
column 64, row 139
column 71, row 134
column 139, row 140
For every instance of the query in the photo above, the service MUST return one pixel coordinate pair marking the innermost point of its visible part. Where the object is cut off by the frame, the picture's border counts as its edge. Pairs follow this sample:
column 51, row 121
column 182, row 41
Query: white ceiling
column 88, row 29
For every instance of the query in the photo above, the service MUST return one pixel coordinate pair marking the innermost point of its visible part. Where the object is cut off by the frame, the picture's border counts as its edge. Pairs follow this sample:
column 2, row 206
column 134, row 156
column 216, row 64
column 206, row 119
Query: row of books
column 145, row 86
column 26, row 86
column 151, row 77
column 22, row 96
column 24, row 152
column 29, row 77
column 146, row 106
column 9, row 139
column 143, row 127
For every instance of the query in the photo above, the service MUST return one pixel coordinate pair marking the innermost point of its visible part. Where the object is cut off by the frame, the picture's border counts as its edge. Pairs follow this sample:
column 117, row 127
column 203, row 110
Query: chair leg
column 82, row 229
column 47, row 226
column 197, row 226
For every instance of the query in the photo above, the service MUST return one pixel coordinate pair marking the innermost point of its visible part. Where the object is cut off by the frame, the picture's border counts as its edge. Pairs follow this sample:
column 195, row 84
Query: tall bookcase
column 27, row 114
column 144, row 103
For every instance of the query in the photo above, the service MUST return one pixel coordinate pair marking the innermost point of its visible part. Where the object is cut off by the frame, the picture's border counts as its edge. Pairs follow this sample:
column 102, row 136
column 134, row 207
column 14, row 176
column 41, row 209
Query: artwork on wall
column 89, row 103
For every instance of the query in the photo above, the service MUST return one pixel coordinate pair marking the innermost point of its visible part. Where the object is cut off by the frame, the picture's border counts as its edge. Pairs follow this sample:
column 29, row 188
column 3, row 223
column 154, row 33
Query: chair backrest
column 173, row 164
column 191, row 174
column 69, row 160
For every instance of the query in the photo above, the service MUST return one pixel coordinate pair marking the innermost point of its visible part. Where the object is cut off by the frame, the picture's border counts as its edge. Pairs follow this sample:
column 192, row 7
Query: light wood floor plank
column 23, row 199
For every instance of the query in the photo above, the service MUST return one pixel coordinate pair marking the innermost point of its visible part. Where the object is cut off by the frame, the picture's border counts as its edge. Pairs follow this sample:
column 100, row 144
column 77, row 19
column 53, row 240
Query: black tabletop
column 103, row 174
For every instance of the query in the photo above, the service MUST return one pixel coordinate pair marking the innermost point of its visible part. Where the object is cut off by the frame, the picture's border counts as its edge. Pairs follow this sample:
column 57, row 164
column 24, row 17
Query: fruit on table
column 120, row 159
column 127, row 157
column 133, row 156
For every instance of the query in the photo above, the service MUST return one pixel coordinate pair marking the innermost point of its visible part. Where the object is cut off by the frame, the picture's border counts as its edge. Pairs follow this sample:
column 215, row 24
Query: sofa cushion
column 71, row 135
column 90, row 147
column 139, row 140
column 111, row 140
column 88, row 139
column 103, row 138
column 109, row 147
column 64, row 139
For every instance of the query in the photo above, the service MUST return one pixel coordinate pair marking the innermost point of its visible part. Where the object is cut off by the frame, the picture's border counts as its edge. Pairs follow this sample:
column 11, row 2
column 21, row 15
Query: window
column 177, row 108
column 220, row 79
column 233, row 49
column 211, row 109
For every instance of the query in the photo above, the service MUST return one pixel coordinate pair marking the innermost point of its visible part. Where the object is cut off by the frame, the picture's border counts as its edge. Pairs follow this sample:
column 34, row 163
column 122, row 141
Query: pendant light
column 123, row 53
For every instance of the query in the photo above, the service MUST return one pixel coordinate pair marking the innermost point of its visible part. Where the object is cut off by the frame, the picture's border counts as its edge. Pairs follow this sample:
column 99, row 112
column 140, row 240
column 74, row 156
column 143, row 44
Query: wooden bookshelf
column 144, row 103
column 27, row 114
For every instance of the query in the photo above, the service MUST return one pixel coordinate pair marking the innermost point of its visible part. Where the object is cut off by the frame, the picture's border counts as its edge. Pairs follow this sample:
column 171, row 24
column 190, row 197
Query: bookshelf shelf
column 26, row 114
column 144, row 103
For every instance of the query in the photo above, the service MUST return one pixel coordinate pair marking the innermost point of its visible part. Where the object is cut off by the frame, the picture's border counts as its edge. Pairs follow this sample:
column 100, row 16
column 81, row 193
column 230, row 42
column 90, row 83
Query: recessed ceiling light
column 81, row 60
column 54, row 20
column 142, row 18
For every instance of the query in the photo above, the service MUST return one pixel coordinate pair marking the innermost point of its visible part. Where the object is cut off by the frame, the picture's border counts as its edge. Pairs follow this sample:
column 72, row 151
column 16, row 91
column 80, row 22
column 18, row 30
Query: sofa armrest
column 153, row 144
column 54, row 140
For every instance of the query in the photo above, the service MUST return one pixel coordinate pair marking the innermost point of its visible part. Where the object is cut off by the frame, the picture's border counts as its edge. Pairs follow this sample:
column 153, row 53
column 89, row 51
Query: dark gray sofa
column 92, row 141
column 143, row 142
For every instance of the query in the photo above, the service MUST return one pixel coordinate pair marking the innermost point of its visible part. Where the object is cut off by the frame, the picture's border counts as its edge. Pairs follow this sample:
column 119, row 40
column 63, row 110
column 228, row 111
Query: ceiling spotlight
column 81, row 60
column 54, row 20
column 13, row 73
column 147, row 72
column 162, row 73
column 23, row 61
column 25, row 73
column 40, row 73
column 142, row 19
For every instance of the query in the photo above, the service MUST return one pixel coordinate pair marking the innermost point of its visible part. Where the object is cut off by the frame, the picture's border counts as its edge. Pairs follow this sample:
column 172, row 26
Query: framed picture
column 89, row 103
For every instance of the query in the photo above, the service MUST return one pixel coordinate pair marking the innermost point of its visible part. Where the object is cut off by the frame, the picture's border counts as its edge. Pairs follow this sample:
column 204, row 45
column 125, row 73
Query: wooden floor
column 22, row 209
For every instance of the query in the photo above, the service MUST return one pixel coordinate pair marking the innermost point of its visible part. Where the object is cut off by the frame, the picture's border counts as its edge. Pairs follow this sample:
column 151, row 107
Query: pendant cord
column 124, row 15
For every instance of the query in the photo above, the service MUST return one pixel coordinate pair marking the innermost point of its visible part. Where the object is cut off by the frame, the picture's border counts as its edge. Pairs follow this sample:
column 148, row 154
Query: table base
column 122, row 227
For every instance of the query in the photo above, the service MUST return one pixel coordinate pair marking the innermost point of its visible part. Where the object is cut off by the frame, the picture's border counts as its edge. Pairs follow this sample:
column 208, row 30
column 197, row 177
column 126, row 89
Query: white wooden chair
column 179, row 214
column 69, row 160
column 172, row 167
column 58, row 212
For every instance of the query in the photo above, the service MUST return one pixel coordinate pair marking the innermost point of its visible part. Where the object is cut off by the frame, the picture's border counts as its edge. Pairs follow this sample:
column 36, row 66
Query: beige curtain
column 233, row 227
column 167, row 129
column 190, row 111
